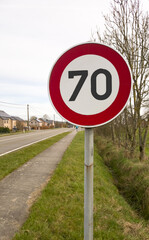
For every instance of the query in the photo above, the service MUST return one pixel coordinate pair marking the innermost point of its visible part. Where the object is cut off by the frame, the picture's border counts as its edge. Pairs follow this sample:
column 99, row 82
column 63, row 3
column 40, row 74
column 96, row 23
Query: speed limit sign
column 90, row 84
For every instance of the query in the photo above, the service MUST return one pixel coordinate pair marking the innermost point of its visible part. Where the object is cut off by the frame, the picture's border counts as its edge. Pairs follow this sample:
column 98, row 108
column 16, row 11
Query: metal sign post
column 88, row 185
column 89, row 86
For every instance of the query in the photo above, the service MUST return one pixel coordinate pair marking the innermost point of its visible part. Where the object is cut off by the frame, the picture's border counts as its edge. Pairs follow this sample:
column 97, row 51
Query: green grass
column 131, row 176
column 12, row 161
column 58, row 213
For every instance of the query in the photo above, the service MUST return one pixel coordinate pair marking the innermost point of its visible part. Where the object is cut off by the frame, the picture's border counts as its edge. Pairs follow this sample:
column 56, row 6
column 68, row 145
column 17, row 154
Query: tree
column 19, row 125
column 127, row 30
column 33, row 118
column 45, row 116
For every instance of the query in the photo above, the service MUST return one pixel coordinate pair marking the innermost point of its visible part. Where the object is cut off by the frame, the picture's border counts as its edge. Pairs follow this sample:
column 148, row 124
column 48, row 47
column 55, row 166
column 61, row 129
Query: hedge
column 4, row 130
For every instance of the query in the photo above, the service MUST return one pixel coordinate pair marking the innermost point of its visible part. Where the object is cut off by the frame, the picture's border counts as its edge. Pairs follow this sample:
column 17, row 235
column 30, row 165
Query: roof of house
column 49, row 121
column 17, row 118
column 36, row 120
column 42, row 119
column 4, row 115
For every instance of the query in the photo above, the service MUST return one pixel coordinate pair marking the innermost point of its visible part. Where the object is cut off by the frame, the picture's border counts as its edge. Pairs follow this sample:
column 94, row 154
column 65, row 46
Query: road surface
column 15, row 142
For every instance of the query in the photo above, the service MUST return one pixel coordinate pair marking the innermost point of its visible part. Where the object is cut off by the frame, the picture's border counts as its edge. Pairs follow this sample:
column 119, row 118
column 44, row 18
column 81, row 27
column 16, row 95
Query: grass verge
column 11, row 161
column 58, row 213
column 131, row 176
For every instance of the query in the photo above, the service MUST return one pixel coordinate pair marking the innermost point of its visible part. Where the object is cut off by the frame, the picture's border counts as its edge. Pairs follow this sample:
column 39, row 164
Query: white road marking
column 22, row 136
column 26, row 145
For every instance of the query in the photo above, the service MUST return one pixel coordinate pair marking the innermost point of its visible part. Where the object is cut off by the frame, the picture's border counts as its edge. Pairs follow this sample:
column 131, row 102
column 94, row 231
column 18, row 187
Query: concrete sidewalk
column 19, row 189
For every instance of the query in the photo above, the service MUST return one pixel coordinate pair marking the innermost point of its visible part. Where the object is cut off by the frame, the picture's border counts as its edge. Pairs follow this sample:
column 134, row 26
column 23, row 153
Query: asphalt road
column 15, row 142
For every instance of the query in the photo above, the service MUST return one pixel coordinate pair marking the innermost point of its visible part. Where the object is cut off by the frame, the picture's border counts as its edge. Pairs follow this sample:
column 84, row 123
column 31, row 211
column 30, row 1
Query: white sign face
column 90, row 72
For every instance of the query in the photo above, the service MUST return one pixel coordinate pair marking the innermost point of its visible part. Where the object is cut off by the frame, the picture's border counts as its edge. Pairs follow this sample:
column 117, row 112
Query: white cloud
column 24, row 91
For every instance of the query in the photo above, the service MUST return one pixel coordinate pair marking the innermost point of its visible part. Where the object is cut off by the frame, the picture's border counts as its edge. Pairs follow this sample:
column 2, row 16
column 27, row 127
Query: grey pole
column 88, row 185
column 28, row 116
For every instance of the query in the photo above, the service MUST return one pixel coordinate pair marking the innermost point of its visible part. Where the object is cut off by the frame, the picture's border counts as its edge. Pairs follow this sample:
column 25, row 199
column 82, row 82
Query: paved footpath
column 20, row 188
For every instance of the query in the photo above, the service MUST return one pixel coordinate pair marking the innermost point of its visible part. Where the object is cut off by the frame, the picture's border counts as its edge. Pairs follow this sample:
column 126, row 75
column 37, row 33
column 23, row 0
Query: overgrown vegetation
column 131, row 177
column 58, row 213
column 12, row 161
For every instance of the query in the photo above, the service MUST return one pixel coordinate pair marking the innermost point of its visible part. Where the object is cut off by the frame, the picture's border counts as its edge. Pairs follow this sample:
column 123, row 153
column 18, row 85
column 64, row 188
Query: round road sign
column 90, row 84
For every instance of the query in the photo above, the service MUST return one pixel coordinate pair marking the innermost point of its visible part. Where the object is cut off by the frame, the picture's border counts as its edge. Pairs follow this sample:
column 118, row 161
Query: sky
column 33, row 34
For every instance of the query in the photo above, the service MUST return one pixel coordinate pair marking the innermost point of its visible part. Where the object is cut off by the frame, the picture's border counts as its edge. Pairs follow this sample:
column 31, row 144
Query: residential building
column 50, row 123
column 44, row 122
column 35, row 124
column 20, row 123
column 5, row 120
column 11, row 122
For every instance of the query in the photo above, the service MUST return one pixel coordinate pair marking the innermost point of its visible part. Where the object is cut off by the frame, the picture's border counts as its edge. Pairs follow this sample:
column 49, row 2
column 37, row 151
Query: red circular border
column 124, row 89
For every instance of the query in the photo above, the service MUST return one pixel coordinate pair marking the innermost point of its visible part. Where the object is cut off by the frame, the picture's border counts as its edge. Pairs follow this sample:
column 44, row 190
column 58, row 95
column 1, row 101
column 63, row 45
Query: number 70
column 84, row 74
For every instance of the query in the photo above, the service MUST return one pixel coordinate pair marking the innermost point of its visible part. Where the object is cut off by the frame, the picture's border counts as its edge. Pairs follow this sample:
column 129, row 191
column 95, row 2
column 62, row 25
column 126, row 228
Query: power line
column 12, row 103
column 34, row 110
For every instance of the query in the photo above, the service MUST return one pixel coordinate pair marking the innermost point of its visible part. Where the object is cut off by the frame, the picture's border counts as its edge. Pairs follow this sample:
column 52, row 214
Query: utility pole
column 28, row 116
column 54, row 120
column 62, row 122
